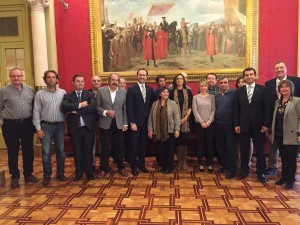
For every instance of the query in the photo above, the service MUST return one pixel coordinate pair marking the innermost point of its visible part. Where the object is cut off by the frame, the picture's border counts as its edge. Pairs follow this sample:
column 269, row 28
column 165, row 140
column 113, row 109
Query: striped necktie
column 143, row 92
column 250, row 93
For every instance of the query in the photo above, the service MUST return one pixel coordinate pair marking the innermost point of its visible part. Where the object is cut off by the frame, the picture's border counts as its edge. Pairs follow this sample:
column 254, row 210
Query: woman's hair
column 203, row 82
column 237, row 81
column 288, row 83
column 161, row 89
column 174, row 85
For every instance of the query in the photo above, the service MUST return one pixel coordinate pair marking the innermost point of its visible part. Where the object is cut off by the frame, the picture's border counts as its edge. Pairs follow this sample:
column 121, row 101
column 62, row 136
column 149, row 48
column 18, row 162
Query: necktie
column 249, row 93
column 143, row 92
column 79, row 96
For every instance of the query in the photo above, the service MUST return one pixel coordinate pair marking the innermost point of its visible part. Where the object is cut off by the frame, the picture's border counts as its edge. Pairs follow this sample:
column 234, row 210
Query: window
column 9, row 26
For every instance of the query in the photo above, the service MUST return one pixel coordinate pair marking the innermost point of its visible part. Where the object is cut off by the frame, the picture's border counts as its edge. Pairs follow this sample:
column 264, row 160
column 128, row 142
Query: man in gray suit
column 111, row 107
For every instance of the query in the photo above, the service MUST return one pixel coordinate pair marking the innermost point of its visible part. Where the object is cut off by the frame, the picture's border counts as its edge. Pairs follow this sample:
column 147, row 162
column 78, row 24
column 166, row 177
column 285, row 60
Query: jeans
column 56, row 133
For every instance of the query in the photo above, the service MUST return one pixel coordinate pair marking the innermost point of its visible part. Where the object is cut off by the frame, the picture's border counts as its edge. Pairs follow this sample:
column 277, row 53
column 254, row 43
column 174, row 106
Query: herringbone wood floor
column 151, row 198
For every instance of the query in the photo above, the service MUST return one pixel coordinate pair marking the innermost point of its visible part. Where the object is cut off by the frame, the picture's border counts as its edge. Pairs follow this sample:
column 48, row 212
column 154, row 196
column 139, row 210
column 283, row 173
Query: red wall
column 278, row 36
column 73, row 41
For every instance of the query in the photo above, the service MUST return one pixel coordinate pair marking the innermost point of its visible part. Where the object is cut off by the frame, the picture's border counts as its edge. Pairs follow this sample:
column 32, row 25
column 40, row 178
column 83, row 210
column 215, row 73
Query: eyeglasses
column 179, row 78
column 16, row 76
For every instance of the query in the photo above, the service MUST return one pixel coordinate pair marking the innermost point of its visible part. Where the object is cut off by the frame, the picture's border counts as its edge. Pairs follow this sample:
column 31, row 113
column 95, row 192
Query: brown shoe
column 102, row 175
column 123, row 173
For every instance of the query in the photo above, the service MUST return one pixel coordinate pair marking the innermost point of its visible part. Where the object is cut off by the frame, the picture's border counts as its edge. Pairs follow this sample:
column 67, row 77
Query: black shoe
column 31, row 179
column 289, row 185
column 61, row 177
column 77, row 178
column 162, row 170
column 155, row 164
column 14, row 183
column 271, row 171
column 243, row 175
column 280, row 181
column 144, row 169
column 166, row 171
column 134, row 172
column 229, row 175
column 46, row 181
column 262, row 178
column 221, row 170
column 90, row 177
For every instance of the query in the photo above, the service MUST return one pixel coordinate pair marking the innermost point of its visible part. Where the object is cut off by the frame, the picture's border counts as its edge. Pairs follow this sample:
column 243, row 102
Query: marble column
column 39, row 39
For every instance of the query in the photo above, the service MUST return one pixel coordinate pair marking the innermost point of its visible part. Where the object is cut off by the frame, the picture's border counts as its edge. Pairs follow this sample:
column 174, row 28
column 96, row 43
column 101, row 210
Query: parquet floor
column 153, row 198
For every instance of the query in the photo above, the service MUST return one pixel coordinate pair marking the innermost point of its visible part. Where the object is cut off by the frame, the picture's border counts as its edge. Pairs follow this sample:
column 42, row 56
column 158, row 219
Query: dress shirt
column 47, row 106
column 15, row 104
column 113, row 97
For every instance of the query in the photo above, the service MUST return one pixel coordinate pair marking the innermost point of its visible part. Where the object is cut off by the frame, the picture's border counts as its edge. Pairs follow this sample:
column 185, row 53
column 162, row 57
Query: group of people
column 167, row 115
column 155, row 41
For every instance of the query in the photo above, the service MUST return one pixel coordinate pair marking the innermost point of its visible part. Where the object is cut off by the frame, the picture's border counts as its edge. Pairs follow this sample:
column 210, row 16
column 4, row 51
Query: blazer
column 104, row 102
column 137, row 109
column 272, row 95
column 291, row 121
column 70, row 103
column 173, row 117
column 255, row 114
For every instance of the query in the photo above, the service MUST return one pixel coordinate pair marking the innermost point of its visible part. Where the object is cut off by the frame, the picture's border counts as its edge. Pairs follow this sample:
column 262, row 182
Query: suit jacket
column 291, row 121
column 70, row 103
column 255, row 114
column 272, row 94
column 104, row 102
column 137, row 109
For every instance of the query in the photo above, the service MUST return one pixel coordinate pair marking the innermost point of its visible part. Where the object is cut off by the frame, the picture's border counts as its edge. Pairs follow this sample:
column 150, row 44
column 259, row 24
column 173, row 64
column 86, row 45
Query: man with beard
column 111, row 107
column 48, row 120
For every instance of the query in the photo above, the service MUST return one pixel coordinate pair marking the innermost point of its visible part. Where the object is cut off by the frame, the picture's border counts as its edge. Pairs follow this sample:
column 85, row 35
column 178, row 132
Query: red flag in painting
column 159, row 9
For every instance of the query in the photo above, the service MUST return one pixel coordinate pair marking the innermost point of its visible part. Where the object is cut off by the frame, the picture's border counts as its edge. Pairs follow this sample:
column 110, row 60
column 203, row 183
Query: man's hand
column 150, row 134
column 110, row 113
column 125, row 128
column 237, row 129
column 176, row 134
column 133, row 127
column 40, row 134
column 84, row 104
column 264, row 129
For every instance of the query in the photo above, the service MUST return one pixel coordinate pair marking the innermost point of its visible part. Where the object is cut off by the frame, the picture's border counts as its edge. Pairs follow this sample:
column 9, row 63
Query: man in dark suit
column 251, row 120
column 111, row 107
column 80, row 106
column 273, row 94
column 138, row 103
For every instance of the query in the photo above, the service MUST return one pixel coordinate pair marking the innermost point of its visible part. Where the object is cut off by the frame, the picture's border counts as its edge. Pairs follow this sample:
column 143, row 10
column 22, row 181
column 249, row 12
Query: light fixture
column 66, row 5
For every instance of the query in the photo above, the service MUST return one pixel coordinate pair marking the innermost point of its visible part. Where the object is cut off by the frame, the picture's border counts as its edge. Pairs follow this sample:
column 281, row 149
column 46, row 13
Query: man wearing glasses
column 16, row 101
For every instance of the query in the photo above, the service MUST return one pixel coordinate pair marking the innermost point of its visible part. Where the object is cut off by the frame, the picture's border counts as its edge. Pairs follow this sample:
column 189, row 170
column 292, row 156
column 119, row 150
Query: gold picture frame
column 251, row 48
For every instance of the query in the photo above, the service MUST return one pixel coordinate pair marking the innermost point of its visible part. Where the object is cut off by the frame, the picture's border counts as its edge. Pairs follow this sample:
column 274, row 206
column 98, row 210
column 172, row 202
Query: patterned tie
column 249, row 93
column 143, row 92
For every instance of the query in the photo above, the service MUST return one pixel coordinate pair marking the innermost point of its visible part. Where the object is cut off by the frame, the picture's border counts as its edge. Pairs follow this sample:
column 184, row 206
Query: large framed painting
column 169, row 36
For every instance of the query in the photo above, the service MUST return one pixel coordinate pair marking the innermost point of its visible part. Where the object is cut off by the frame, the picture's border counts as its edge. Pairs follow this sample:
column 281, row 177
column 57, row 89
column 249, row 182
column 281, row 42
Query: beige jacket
column 291, row 122
column 173, row 117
